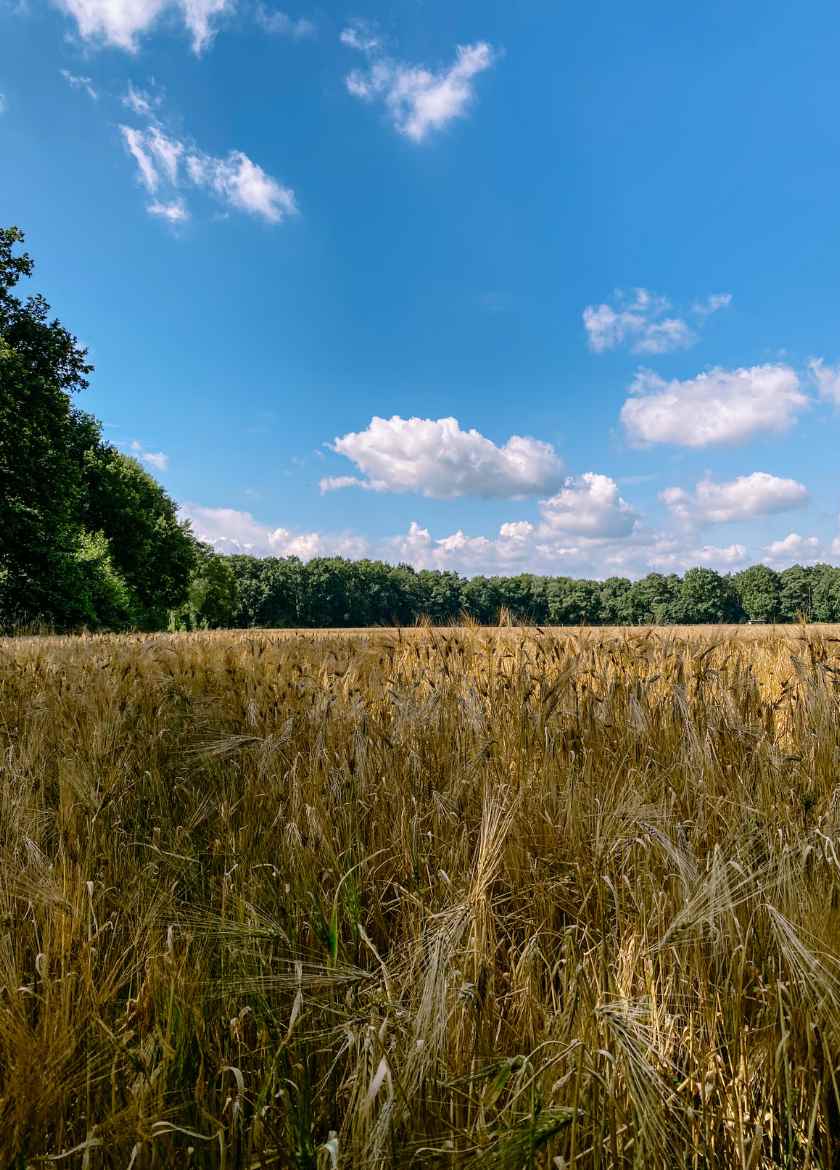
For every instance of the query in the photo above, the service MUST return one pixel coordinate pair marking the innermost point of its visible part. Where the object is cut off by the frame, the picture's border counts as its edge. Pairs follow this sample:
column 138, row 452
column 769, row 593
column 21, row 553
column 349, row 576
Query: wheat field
column 438, row 898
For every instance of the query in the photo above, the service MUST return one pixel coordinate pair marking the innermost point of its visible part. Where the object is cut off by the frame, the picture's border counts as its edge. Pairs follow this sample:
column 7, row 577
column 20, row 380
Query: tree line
column 90, row 540
column 284, row 592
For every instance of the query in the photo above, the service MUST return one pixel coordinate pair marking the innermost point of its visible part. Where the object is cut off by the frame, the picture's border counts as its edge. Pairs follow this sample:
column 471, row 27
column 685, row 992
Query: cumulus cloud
column 122, row 23
column 77, row 82
column 592, row 550
column 588, row 506
column 586, row 528
column 642, row 320
column 516, row 546
column 3, row 103
column 669, row 556
column 720, row 406
column 229, row 530
column 156, row 459
column 758, row 494
column 827, row 379
column 793, row 549
column 166, row 164
column 436, row 458
column 508, row 551
column 418, row 100
column 279, row 23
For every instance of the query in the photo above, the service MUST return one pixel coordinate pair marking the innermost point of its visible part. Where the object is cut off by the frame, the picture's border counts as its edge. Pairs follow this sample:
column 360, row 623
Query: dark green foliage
column 87, row 538
column 440, row 596
column 573, row 603
column 706, row 597
column 760, row 591
column 150, row 547
column 652, row 600
column 211, row 595
column 826, row 597
column 481, row 599
column 616, row 596
column 524, row 597
column 41, row 365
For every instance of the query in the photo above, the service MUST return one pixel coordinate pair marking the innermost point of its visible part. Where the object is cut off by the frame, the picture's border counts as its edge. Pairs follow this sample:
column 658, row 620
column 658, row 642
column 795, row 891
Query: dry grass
column 448, row 899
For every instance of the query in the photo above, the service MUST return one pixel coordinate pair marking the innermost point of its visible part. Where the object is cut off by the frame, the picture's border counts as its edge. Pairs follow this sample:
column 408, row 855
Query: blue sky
column 483, row 286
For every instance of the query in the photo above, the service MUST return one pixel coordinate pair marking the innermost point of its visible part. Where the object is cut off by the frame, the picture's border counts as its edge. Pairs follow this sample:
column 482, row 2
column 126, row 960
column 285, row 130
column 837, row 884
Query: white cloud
column 121, row 23
column 669, row 556
column 436, row 458
column 135, row 141
column 279, row 23
column 585, row 530
column 588, row 507
column 827, row 379
column 642, row 322
column 166, row 163
column 4, row 105
column 198, row 17
column 231, row 531
column 417, row 99
column 173, row 212
column 166, row 153
column 77, row 82
column 140, row 102
column 114, row 22
column 518, row 546
column 359, row 35
column 242, row 184
column 758, row 494
column 156, row 459
column 794, row 549
column 711, row 304
column 335, row 483
column 720, row 406
column 523, row 547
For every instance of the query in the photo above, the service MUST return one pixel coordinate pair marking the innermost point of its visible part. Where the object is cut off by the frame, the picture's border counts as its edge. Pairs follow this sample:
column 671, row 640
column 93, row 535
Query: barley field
column 438, row 898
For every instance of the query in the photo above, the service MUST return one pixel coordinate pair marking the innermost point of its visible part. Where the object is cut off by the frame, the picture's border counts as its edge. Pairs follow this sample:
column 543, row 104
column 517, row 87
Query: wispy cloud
column 156, row 459
column 279, row 23
column 141, row 102
column 418, row 100
column 643, row 321
column 166, row 165
column 77, row 82
column 173, row 212
column 827, row 379
column 360, row 36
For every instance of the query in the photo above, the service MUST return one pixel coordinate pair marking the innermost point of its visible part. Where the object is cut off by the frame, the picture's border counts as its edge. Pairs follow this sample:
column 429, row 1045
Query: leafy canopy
column 87, row 537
